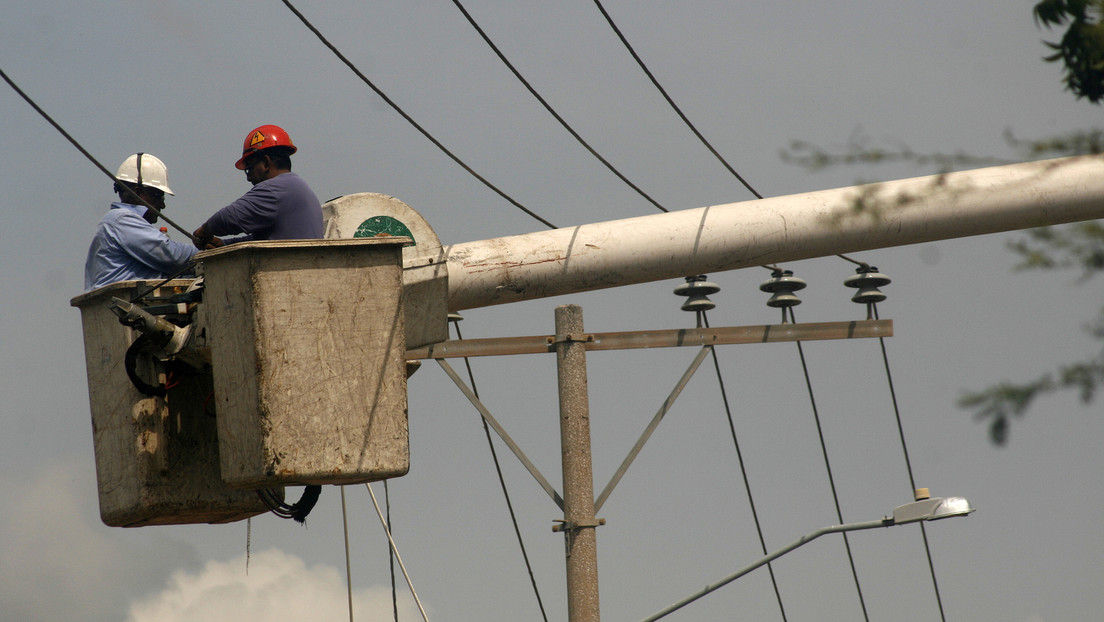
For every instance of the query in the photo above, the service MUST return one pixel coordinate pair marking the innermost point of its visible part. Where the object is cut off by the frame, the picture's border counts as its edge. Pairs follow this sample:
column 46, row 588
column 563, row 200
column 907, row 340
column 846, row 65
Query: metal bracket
column 570, row 526
column 571, row 337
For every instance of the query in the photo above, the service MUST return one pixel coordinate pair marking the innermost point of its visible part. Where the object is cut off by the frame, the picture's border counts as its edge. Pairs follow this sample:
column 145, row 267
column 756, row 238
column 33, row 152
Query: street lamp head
column 931, row 509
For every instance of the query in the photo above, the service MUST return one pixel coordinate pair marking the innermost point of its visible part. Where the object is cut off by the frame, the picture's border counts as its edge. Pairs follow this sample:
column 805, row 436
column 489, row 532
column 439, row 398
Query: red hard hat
column 264, row 137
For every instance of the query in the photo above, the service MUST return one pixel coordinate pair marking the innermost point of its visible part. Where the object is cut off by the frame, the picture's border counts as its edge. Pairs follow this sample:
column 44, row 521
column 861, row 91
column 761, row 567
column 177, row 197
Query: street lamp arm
column 809, row 537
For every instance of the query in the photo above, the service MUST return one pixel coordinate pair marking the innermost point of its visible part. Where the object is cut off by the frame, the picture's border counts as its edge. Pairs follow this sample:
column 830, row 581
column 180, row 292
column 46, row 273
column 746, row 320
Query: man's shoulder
column 290, row 179
column 284, row 187
column 125, row 210
column 125, row 216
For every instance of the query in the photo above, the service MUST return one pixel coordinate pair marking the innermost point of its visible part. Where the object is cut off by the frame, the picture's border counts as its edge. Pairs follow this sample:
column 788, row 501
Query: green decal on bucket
column 382, row 225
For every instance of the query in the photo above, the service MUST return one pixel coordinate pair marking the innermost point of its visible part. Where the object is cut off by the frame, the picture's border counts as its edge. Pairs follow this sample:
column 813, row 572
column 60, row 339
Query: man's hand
column 204, row 240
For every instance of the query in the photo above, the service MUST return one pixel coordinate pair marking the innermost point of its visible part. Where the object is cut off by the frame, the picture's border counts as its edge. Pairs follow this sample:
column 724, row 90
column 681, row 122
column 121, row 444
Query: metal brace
column 570, row 526
column 570, row 337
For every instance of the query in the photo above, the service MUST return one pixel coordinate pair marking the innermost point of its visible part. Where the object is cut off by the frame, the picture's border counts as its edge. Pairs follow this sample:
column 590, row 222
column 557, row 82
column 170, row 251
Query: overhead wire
column 550, row 109
column 394, row 548
column 410, row 119
column 861, row 264
column 134, row 196
column 670, row 100
column 593, row 152
column 391, row 555
column 682, row 115
column 608, row 165
column 348, row 564
column 908, row 465
column 678, row 110
column 91, row 158
column 828, row 468
column 502, row 483
column 509, row 199
column 743, row 471
column 248, row 541
column 141, row 293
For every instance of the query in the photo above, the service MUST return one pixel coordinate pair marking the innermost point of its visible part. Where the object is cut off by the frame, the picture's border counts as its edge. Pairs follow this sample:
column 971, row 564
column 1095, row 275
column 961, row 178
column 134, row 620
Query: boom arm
column 772, row 230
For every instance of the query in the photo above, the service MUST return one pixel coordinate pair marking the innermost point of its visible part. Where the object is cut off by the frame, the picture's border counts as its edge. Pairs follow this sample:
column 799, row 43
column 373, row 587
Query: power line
column 828, row 468
column 391, row 543
column 88, row 155
column 743, row 471
column 908, row 466
column 548, row 107
column 391, row 554
column 862, row 264
column 671, row 101
column 348, row 563
column 502, row 484
column 410, row 119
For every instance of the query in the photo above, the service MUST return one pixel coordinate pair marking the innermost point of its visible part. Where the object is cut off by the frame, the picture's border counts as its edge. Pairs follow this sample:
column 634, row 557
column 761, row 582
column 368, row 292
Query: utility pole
column 579, row 523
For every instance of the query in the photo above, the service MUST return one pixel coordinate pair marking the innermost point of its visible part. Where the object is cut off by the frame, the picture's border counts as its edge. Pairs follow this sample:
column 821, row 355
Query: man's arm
column 151, row 247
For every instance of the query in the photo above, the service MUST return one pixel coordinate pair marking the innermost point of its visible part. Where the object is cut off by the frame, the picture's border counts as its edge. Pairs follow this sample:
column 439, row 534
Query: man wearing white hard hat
column 126, row 245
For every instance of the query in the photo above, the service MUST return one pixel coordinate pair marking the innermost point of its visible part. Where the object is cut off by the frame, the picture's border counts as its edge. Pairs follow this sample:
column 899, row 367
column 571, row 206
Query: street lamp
column 925, row 508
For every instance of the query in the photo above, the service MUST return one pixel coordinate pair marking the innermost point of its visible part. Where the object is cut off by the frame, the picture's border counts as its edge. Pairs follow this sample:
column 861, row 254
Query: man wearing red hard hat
column 280, row 206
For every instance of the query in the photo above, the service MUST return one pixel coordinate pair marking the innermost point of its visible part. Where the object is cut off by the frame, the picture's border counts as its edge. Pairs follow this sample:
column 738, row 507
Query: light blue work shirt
column 127, row 247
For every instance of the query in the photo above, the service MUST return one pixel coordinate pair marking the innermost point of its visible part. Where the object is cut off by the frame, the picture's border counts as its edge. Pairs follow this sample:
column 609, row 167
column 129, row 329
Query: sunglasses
column 251, row 162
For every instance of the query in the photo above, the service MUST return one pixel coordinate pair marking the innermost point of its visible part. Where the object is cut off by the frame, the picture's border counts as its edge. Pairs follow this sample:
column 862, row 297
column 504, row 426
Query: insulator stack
column 697, row 290
column 782, row 286
column 867, row 280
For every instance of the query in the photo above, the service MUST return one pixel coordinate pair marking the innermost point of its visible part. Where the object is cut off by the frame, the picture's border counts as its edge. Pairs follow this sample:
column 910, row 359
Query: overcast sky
column 187, row 80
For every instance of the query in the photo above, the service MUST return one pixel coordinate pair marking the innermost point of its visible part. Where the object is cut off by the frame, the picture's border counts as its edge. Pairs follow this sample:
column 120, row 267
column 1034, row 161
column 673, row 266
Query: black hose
column 297, row 511
column 130, row 362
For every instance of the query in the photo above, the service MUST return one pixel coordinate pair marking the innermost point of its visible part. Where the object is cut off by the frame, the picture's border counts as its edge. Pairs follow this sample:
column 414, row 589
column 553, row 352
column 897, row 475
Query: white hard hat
column 153, row 173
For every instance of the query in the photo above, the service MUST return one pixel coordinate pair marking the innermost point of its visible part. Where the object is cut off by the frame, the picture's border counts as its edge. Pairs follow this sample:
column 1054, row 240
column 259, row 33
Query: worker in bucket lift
column 280, row 206
column 127, row 245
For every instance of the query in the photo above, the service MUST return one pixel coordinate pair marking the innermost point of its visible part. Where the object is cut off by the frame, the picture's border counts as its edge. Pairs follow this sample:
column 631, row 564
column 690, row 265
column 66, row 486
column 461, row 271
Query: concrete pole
column 578, row 479
column 773, row 230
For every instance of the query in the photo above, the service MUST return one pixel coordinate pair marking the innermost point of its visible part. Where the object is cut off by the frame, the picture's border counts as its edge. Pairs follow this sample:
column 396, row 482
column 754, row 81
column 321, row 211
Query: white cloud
column 59, row 562
column 277, row 586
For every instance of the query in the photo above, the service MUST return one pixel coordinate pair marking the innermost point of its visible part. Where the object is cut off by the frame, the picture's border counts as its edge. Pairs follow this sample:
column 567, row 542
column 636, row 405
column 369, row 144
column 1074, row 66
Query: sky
column 186, row 81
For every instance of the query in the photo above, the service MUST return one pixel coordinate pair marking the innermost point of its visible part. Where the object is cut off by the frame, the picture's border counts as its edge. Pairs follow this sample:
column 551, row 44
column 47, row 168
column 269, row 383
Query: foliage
column 997, row 404
column 860, row 150
column 1081, row 142
column 1080, row 245
column 1077, row 246
column 1081, row 48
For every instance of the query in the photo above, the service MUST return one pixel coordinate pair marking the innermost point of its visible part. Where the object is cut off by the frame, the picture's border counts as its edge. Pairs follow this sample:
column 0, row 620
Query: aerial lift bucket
column 308, row 351
column 156, row 455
